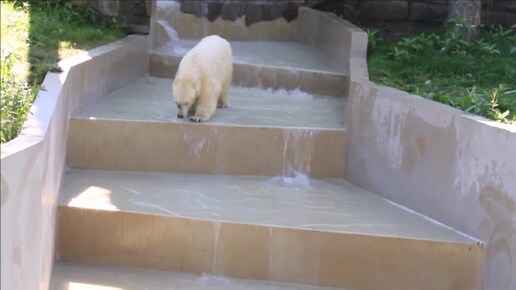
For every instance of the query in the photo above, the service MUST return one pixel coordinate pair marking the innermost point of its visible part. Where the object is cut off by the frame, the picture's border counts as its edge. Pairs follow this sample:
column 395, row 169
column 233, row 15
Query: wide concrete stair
column 262, row 132
column 266, row 64
column 253, row 194
column 290, row 230
column 252, row 199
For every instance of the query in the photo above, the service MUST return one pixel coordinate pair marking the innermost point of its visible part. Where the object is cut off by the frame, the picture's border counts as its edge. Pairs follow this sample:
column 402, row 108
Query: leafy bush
column 476, row 76
column 35, row 36
column 16, row 99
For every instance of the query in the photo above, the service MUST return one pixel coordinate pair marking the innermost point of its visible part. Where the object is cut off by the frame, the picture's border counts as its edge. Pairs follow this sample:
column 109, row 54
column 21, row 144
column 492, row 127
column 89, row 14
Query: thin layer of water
column 331, row 205
column 150, row 99
column 75, row 276
column 267, row 53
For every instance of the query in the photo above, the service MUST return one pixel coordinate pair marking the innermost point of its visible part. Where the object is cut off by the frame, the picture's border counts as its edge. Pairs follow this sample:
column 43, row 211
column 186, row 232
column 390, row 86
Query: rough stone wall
column 253, row 11
column 494, row 12
column 137, row 12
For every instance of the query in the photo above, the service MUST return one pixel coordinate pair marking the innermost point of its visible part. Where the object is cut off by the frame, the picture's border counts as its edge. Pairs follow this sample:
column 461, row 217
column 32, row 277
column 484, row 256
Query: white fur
column 203, row 78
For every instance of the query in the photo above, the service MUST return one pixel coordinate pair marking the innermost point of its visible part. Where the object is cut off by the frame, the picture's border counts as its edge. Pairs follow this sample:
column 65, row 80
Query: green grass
column 36, row 35
column 475, row 76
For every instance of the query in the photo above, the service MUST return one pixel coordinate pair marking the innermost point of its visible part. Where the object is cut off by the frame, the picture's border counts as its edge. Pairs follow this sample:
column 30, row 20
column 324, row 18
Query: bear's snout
column 180, row 116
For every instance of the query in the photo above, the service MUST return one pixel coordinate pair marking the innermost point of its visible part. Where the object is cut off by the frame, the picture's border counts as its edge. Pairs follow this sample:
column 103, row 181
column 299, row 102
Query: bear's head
column 185, row 93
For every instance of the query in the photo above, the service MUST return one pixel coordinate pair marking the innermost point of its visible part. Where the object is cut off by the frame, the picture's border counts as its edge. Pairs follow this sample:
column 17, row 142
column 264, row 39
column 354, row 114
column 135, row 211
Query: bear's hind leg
column 223, row 98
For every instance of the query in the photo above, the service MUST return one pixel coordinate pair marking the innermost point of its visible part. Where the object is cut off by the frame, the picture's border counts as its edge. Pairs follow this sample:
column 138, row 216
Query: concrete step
column 291, row 230
column 263, row 132
column 68, row 276
column 266, row 64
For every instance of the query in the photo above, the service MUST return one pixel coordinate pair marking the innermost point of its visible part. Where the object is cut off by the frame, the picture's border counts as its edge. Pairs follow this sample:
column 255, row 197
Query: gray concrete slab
column 294, row 202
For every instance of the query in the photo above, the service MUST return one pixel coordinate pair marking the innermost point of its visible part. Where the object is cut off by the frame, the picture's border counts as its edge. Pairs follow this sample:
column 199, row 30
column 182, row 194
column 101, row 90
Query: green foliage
column 36, row 35
column 16, row 98
column 374, row 41
column 118, row 24
column 475, row 76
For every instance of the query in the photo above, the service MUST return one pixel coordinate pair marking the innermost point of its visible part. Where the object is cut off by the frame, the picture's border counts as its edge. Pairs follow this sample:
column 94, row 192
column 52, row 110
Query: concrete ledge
column 33, row 163
column 205, row 149
column 265, row 252
column 335, row 37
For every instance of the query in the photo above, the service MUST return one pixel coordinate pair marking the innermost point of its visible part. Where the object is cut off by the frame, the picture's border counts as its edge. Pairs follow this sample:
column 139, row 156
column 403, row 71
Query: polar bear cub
column 203, row 78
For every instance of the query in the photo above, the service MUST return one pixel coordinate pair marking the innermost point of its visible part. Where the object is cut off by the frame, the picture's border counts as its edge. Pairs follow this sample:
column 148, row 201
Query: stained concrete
column 447, row 164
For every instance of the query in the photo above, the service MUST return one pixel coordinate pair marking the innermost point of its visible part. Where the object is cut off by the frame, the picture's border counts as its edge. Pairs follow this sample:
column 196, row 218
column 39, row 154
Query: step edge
column 344, row 73
column 474, row 243
column 223, row 126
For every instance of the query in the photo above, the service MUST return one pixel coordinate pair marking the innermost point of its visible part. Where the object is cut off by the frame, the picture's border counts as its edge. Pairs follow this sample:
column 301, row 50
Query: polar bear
column 203, row 78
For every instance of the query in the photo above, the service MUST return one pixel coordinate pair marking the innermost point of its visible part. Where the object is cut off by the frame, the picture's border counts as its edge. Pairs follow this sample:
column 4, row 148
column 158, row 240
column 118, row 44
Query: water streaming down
column 217, row 226
column 196, row 143
column 297, row 155
column 174, row 43
column 167, row 11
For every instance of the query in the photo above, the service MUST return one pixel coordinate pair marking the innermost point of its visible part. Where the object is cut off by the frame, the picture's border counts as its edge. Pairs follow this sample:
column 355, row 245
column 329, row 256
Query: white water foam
column 174, row 43
column 298, row 179
column 297, row 93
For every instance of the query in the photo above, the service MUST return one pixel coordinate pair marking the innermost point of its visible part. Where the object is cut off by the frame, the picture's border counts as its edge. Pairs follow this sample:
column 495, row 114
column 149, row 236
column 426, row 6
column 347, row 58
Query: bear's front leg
column 205, row 109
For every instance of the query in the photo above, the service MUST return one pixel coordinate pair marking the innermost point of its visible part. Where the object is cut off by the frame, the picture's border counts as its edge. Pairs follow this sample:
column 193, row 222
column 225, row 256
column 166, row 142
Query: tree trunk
column 469, row 11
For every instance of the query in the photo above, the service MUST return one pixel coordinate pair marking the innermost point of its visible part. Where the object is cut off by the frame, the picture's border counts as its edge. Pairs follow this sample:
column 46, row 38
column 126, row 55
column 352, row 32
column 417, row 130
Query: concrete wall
column 331, row 35
column 457, row 168
column 33, row 163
